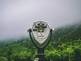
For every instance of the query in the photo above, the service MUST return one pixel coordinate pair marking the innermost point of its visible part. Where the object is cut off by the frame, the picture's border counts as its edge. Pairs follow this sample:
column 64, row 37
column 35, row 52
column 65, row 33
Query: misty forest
column 65, row 45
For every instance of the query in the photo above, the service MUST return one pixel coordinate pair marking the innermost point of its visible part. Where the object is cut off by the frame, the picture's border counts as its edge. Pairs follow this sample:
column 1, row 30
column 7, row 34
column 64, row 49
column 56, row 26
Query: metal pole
column 40, row 54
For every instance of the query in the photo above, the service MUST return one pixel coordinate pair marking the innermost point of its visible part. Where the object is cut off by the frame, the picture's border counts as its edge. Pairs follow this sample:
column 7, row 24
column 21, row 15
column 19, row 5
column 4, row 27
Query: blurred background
column 16, row 16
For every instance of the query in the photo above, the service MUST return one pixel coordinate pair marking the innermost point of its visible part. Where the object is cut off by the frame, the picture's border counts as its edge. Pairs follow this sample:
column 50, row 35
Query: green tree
column 3, row 59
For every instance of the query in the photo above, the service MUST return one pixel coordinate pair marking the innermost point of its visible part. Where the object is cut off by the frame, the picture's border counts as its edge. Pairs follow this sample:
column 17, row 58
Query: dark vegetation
column 64, row 46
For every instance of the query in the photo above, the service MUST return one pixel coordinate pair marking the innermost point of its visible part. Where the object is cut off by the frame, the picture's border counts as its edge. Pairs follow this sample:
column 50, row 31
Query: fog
column 16, row 16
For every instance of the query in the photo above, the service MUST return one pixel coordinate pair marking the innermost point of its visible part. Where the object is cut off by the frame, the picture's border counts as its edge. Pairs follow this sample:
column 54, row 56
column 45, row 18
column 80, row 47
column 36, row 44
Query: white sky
column 16, row 16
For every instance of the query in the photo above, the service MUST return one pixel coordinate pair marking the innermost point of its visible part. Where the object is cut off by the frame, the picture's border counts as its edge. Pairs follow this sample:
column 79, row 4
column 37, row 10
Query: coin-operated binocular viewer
column 40, row 35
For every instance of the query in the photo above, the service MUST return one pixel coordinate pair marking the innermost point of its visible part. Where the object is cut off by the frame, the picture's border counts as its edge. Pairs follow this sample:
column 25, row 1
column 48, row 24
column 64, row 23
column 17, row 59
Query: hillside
column 64, row 46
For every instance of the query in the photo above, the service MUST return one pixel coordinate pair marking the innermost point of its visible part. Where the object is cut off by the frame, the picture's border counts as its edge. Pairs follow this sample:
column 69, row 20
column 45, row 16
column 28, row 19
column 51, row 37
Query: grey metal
column 40, row 54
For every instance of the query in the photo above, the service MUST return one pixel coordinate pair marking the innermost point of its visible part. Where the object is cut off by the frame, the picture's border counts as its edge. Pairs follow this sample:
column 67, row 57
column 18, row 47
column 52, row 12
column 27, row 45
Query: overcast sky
column 16, row 16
